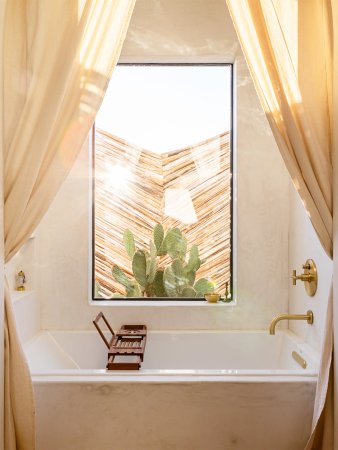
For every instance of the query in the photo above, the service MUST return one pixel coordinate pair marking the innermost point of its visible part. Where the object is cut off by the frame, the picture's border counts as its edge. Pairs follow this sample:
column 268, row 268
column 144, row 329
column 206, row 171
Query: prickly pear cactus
column 129, row 243
column 163, row 248
column 194, row 262
column 203, row 286
column 121, row 277
column 189, row 292
column 135, row 291
column 191, row 276
column 177, row 279
column 139, row 266
column 176, row 244
column 158, row 285
column 169, row 282
column 158, row 234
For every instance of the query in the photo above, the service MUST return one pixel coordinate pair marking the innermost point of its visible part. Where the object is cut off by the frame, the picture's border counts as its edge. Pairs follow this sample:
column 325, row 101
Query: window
column 162, row 186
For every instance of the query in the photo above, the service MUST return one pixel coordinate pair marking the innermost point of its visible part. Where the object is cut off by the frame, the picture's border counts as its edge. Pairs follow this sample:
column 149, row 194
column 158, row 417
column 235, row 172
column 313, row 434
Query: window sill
column 161, row 303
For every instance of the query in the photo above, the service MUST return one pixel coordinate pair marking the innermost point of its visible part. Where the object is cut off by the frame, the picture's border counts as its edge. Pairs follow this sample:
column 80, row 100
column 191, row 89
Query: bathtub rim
column 180, row 375
column 124, row 378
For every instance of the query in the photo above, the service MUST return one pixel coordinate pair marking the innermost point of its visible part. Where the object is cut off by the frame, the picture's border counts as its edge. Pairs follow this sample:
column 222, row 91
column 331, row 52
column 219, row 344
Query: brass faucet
column 308, row 317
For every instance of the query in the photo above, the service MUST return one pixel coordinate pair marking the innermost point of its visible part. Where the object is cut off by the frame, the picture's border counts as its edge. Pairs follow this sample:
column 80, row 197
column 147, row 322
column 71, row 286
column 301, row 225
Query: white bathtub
column 195, row 391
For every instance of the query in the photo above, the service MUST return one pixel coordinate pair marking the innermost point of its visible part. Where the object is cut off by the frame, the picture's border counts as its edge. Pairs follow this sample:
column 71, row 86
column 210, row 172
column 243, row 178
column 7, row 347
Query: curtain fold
column 295, row 84
column 59, row 57
column 306, row 149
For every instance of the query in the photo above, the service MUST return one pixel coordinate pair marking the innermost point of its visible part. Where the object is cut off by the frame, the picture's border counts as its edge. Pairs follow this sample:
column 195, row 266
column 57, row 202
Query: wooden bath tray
column 128, row 341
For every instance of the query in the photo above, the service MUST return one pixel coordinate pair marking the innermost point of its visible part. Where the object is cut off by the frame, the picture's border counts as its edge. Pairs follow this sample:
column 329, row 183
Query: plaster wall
column 304, row 244
column 169, row 31
column 26, row 304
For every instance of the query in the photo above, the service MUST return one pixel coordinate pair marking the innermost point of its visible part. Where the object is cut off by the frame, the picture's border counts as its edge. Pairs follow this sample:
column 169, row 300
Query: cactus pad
column 129, row 243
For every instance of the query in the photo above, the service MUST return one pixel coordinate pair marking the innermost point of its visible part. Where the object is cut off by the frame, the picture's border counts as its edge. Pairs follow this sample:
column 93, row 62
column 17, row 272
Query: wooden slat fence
column 197, row 176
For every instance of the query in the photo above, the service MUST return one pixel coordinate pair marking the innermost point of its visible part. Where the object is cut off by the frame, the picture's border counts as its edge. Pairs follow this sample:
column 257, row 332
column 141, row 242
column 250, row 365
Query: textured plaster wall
column 193, row 31
column 304, row 244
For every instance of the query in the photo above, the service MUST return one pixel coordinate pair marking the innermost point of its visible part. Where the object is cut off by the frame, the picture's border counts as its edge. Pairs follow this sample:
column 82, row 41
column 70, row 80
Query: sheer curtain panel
column 294, row 78
column 59, row 56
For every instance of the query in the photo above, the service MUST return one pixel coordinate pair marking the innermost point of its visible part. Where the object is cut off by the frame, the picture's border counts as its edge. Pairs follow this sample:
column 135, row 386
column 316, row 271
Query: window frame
column 171, row 300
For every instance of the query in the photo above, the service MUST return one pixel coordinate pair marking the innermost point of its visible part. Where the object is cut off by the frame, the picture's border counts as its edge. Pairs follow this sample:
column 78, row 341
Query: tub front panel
column 175, row 416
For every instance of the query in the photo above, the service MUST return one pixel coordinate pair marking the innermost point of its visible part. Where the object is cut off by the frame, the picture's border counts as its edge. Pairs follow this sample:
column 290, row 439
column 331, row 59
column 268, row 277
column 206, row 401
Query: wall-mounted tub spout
column 308, row 317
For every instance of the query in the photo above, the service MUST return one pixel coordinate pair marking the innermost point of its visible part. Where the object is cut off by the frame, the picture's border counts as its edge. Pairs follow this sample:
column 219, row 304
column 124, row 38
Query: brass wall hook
column 309, row 277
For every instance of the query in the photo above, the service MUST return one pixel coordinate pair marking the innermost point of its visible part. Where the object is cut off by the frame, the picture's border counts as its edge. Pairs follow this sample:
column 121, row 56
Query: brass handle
column 294, row 277
column 303, row 277
column 309, row 277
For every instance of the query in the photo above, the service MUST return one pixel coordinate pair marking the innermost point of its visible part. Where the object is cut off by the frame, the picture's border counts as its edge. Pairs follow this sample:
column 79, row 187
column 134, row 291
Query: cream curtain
column 59, row 56
column 295, row 86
